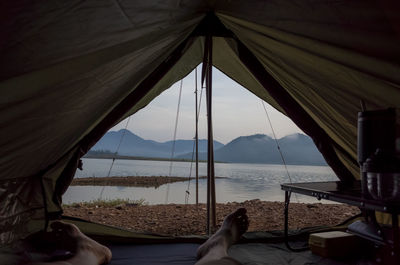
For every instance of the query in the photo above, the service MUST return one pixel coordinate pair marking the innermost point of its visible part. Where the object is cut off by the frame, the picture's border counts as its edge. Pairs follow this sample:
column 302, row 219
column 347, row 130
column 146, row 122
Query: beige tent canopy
column 70, row 70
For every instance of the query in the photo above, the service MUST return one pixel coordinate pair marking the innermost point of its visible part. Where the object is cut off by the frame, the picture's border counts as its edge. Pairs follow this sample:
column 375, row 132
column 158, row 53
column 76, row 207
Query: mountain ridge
column 297, row 149
column 134, row 145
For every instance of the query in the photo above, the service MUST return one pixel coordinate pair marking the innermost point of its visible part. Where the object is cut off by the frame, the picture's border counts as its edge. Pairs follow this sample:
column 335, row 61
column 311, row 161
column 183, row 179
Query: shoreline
column 125, row 157
column 131, row 181
column 181, row 219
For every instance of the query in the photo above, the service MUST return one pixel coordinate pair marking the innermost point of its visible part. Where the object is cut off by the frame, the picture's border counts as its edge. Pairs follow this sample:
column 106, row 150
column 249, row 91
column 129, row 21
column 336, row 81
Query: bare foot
column 81, row 244
column 233, row 227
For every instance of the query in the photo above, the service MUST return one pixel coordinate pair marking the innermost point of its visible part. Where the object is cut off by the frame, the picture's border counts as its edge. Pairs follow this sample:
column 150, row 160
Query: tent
column 70, row 70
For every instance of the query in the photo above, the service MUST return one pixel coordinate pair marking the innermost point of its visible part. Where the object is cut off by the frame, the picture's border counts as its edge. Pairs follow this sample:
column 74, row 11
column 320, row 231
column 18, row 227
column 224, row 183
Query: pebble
column 189, row 219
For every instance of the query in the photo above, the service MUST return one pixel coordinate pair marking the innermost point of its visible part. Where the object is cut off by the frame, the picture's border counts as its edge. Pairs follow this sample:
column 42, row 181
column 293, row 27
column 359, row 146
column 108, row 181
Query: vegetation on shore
column 130, row 181
column 107, row 203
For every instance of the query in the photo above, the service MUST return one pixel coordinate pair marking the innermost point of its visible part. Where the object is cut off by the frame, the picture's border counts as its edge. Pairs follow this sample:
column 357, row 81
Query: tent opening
column 249, row 168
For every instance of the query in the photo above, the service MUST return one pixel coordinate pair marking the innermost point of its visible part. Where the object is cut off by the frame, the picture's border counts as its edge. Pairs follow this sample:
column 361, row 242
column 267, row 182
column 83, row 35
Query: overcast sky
column 236, row 112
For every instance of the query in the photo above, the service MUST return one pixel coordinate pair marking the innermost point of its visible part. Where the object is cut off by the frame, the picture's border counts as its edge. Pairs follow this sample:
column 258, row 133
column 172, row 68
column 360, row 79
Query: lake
column 240, row 182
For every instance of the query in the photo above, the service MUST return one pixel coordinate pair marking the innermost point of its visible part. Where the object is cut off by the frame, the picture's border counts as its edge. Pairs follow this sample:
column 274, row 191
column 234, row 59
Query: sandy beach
column 181, row 219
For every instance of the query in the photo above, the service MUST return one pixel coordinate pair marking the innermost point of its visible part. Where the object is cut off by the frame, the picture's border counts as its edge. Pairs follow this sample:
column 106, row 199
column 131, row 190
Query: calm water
column 241, row 181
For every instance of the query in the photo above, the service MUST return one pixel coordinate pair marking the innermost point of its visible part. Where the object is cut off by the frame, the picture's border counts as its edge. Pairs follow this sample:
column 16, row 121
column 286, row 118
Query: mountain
column 257, row 148
column 297, row 149
column 133, row 145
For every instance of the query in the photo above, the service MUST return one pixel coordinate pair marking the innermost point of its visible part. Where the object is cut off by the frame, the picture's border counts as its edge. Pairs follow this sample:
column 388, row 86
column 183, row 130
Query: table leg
column 286, row 211
column 287, row 201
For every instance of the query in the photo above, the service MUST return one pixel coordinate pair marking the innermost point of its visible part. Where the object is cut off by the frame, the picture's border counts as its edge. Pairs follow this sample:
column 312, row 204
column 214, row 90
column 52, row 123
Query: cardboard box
column 334, row 244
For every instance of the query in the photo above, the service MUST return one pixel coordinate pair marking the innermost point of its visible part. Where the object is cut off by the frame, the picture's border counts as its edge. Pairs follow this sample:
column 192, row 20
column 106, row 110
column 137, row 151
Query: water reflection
column 242, row 182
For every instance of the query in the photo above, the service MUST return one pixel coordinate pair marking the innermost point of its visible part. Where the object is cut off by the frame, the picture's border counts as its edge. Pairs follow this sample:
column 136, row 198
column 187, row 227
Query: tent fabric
column 320, row 77
column 185, row 254
column 156, row 254
column 252, row 253
column 69, row 68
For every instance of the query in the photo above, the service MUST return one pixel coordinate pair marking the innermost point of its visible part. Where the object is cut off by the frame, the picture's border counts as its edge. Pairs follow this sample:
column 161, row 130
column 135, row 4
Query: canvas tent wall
column 70, row 70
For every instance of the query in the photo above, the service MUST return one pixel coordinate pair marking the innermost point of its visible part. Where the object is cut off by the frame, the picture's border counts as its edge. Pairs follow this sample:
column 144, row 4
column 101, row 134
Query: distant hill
column 133, row 145
column 297, row 149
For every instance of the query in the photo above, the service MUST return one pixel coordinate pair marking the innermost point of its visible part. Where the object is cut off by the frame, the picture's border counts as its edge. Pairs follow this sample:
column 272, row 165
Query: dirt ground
column 180, row 219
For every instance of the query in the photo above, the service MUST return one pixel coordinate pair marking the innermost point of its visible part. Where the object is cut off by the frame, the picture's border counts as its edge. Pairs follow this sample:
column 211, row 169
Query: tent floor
column 250, row 253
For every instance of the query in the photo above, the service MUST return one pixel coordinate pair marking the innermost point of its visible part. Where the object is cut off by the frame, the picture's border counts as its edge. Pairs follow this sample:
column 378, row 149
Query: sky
column 236, row 112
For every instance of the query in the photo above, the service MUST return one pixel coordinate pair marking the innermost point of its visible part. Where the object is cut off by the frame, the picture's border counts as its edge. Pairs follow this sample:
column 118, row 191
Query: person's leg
column 86, row 250
column 215, row 249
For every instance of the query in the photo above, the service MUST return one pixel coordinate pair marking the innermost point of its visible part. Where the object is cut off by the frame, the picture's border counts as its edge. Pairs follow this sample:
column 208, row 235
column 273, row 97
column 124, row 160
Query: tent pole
column 213, row 195
column 210, row 147
column 197, row 142
column 204, row 77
